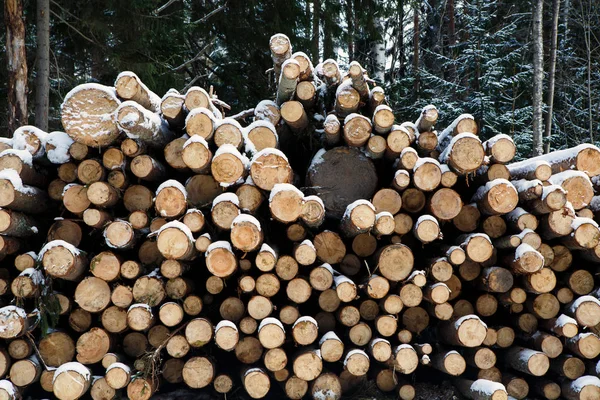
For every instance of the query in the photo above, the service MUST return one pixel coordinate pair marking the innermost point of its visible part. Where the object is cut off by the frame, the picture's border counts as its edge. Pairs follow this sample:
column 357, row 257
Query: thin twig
column 164, row 6
column 210, row 14
column 72, row 27
column 196, row 57
column 220, row 103
column 244, row 114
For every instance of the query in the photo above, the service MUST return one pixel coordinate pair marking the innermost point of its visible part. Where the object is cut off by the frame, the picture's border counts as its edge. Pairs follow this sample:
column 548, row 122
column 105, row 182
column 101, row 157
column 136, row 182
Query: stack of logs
column 157, row 242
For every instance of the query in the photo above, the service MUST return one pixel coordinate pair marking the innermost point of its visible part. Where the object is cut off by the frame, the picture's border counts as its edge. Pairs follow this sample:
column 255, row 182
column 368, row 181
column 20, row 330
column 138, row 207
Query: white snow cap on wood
column 220, row 244
column 248, row 143
column 268, row 249
column 450, row 128
column 120, row 366
column 425, row 160
column 231, row 149
column 563, row 320
column 339, row 279
column 426, row 217
column 525, row 248
column 424, row 110
column 317, row 159
column 415, row 273
column 446, row 153
column 524, row 184
column 154, row 99
column 177, row 225
column 486, row 387
column 586, row 380
column 172, row 183
column 306, row 319
column 268, row 151
column 582, row 299
column 353, row 352
column 492, row 141
column 8, row 311
column 246, row 218
column 309, row 243
column 355, row 115
column 73, row 366
column 13, row 177
column 201, row 110
column 482, row 190
column 225, row 323
column 345, row 86
column 382, row 107
column 55, row 243
column 196, row 139
column 315, row 198
column 9, row 388
column 383, row 214
column 263, row 109
column 227, row 196
column 552, row 188
column 18, row 141
column 24, row 155
column 462, row 319
column 228, row 121
column 270, row 321
column 284, row 187
column 35, row 274
column 558, row 156
column 558, row 179
column 140, row 305
column 401, row 172
column 354, row 204
column 578, row 221
column 60, row 142
column 329, row 336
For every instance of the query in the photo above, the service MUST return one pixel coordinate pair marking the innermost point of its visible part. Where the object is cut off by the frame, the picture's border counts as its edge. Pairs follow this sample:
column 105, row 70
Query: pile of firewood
column 304, row 247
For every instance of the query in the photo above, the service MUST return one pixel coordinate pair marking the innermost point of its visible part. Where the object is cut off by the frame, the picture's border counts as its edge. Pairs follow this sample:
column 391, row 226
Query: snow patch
column 284, row 187
column 246, row 218
column 227, row 196
column 220, row 244
column 172, row 183
column 73, row 366
column 60, row 143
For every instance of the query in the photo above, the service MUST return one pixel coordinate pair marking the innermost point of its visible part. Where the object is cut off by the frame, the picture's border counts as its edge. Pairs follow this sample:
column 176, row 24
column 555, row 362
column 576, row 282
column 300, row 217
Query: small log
column 357, row 130
column 19, row 197
column 527, row 361
column 449, row 362
column 141, row 124
column 147, row 168
column 286, row 202
column 481, row 389
column 467, row 331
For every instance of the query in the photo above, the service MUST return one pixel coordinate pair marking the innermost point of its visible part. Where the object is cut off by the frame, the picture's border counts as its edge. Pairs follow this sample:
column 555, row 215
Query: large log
column 331, row 176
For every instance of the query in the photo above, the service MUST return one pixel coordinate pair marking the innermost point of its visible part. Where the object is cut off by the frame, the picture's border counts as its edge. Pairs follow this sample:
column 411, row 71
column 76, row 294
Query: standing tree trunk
column 328, row 31
column 416, row 48
column 538, row 76
column 350, row 36
column 551, row 73
column 17, row 64
column 315, row 30
column 378, row 52
column 586, row 17
column 451, row 38
column 42, row 80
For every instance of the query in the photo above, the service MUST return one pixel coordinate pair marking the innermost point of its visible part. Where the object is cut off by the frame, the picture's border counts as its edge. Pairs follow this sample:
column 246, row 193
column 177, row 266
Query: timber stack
column 303, row 248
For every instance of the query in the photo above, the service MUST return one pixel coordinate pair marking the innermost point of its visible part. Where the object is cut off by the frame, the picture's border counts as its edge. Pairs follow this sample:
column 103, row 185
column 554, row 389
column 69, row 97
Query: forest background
column 529, row 69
